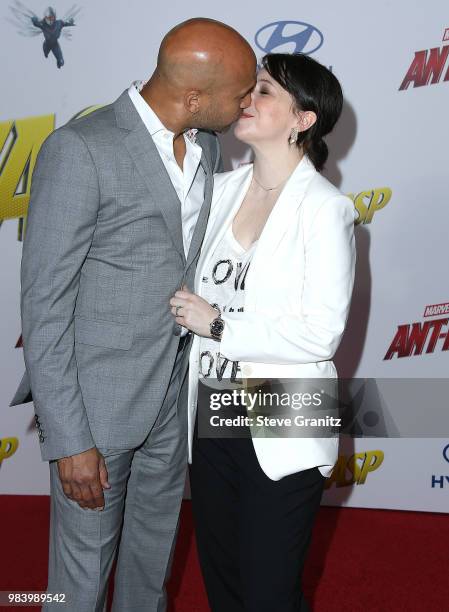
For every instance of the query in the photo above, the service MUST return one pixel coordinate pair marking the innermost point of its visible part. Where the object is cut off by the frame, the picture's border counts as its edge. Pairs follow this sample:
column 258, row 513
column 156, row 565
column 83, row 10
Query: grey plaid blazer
column 102, row 255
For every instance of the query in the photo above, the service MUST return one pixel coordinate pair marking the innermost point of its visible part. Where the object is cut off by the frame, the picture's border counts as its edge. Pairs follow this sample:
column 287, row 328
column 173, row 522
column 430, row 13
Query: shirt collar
column 149, row 117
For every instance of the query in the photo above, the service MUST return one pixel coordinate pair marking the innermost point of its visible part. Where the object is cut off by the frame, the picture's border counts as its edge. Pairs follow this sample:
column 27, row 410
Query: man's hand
column 83, row 478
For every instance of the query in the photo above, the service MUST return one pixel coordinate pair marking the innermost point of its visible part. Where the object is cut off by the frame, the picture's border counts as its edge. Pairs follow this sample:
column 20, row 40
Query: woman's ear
column 305, row 120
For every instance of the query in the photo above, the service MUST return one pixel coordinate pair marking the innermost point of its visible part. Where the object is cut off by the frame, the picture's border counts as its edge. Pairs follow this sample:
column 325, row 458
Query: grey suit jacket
column 102, row 255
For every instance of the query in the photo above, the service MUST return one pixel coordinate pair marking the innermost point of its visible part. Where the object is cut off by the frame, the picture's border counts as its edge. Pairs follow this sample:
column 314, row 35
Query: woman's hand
column 192, row 311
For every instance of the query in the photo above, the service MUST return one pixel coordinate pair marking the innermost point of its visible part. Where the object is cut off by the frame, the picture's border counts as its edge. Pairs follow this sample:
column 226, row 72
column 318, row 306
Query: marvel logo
column 436, row 309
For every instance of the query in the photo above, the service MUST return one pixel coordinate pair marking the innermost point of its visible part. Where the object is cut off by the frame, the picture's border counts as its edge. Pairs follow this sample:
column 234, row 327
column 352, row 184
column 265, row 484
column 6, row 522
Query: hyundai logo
column 289, row 37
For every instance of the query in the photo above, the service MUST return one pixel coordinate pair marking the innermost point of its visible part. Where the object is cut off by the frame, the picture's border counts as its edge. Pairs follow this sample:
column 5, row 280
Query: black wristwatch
column 217, row 327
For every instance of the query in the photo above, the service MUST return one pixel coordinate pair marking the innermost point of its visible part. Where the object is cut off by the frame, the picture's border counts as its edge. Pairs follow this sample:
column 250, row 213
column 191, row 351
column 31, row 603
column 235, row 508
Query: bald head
column 201, row 53
column 200, row 61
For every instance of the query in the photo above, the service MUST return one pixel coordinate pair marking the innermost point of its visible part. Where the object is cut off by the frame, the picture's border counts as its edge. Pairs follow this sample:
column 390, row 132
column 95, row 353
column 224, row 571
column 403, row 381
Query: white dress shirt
column 188, row 182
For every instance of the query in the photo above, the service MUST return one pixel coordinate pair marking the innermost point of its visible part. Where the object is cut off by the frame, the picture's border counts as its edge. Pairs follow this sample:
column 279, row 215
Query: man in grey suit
column 119, row 206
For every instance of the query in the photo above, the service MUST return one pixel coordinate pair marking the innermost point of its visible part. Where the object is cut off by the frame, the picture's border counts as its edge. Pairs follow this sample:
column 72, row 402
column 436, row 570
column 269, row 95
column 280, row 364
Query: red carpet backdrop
column 389, row 153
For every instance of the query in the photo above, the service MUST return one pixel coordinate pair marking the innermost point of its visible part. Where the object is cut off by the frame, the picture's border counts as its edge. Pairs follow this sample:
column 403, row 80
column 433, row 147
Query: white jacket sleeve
column 313, row 334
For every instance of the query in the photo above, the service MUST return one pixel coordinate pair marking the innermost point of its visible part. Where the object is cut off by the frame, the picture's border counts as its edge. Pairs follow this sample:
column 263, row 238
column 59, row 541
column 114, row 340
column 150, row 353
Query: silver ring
column 176, row 310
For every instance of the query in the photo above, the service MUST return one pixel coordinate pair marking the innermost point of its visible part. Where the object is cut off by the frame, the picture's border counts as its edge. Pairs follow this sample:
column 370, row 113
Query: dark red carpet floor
column 360, row 560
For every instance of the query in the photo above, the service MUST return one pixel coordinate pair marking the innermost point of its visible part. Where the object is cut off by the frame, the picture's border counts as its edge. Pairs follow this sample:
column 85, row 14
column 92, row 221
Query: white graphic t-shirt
column 223, row 286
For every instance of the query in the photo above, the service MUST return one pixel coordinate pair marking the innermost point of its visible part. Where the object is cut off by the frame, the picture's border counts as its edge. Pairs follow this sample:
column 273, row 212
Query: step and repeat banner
column 388, row 152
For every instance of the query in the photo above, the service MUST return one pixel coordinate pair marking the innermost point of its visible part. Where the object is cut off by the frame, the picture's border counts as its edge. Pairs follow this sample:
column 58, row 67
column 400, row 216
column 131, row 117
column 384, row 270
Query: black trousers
column 252, row 533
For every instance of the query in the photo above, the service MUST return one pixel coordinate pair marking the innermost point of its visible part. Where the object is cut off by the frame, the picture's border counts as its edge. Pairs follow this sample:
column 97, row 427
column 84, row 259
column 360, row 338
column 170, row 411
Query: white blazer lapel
column 227, row 199
column 284, row 211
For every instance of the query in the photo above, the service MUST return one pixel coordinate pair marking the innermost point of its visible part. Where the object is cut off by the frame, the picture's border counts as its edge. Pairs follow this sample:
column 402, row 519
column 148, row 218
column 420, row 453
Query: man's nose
column 246, row 101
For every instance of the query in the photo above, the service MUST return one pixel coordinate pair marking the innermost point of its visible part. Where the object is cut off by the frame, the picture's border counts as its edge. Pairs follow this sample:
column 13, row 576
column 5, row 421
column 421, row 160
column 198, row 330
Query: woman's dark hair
column 313, row 88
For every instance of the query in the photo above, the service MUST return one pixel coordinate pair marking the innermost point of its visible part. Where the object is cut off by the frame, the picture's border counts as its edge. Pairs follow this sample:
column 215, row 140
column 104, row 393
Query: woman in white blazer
column 271, row 298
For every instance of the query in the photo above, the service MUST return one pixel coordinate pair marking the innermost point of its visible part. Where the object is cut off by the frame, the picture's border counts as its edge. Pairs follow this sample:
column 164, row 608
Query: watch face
column 217, row 327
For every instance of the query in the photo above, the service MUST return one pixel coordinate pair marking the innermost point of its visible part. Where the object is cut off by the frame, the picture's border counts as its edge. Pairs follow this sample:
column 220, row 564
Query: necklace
column 270, row 188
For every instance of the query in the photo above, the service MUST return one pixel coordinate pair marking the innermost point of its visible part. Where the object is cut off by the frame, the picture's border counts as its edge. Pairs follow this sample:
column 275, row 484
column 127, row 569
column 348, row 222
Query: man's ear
column 305, row 120
column 192, row 102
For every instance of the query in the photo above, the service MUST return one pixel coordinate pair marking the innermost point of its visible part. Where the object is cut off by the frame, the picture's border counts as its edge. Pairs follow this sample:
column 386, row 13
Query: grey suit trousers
column 146, row 492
